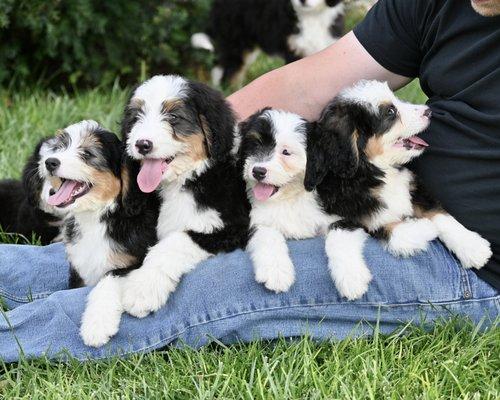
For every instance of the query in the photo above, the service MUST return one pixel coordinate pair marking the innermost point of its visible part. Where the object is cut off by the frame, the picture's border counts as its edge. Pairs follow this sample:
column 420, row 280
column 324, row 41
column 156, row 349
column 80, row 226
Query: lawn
column 453, row 361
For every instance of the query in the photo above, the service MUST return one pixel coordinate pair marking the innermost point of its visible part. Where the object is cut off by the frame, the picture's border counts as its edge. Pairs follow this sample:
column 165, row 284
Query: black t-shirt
column 456, row 54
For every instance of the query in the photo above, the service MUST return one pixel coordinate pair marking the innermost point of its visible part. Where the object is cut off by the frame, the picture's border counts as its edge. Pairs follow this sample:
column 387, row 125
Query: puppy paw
column 411, row 237
column 145, row 291
column 352, row 283
column 473, row 251
column 278, row 276
column 98, row 326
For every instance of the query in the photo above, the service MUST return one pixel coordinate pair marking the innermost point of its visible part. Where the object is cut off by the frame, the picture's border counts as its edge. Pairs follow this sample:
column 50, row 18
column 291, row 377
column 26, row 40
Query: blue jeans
column 220, row 300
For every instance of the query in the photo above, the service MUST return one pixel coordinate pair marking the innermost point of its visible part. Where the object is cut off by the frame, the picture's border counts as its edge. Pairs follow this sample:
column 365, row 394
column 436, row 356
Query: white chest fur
column 179, row 212
column 395, row 194
column 314, row 32
column 298, row 217
column 91, row 250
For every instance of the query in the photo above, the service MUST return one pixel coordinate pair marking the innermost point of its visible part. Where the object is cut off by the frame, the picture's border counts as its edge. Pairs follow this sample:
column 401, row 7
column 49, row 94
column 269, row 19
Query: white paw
column 145, row 291
column 351, row 281
column 278, row 276
column 411, row 237
column 474, row 251
column 98, row 326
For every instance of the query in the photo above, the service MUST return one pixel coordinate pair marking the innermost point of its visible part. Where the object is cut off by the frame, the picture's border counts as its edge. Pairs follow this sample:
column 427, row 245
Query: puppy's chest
column 89, row 249
column 295, row 218
column 314, row 33
column 395, row 196
column 181, row 212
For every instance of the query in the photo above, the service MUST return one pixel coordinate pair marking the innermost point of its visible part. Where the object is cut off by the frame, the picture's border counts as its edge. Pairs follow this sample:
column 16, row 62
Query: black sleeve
column 392, row 32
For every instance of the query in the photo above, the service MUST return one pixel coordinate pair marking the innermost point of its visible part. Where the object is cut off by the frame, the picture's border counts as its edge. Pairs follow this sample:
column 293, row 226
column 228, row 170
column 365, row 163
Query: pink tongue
column 263, row 191
column 417, row 140
column 63, row 194
column 150, row 175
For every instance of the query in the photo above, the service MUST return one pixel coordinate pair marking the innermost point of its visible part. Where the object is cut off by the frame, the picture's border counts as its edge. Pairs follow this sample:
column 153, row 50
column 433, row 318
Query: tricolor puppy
column 291, row 29
column 355, row 165
column 182, row 132
column 25, row 210
column 273, row 154
column 105, row 233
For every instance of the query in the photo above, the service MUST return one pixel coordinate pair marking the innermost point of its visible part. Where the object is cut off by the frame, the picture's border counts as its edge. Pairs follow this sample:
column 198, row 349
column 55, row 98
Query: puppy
column 182, row 132
column 25, row 210
column 291, row 29
column 273, row 156
column 355, row 165
column 108, row 227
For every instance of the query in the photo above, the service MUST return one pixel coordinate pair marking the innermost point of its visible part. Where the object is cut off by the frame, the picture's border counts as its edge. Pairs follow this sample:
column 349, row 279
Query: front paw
column 98, row 326
column 277, row 276
column 351, row 282
column 473, row 251
column 145, row 291
column 411, row 237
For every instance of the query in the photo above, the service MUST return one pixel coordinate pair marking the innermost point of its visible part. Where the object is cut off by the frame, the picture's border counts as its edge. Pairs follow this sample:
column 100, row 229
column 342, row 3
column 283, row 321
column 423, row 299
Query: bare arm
column 305, row 86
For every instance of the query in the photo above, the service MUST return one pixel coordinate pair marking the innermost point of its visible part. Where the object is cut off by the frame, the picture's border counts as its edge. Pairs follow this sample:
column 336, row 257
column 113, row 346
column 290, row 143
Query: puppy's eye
column 392, row 111
column 172, row 117
column 285, row 152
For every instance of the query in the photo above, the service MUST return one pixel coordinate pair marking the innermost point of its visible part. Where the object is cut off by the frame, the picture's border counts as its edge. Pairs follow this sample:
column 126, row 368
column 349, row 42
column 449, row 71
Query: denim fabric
column 220, row 300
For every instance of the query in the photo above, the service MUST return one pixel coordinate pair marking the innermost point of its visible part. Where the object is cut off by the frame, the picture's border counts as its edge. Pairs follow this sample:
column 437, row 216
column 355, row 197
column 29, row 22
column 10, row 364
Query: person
column 453, row 48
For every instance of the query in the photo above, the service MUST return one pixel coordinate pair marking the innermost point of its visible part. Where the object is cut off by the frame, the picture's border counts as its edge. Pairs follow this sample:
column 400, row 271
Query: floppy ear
column 331, row 147
column 216, row 120
column 32, row 182
column 112, row 147
column 130, row 114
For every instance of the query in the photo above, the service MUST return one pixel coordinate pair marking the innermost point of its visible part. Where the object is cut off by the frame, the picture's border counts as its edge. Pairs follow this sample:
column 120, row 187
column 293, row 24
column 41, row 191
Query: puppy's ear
column 32, row 182
column 216, row 120
column 331, row 146
column 112, row 149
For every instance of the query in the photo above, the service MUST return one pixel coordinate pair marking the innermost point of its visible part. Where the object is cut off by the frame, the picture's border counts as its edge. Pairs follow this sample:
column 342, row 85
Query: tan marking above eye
column 254, row 135
column 171, row 105
column 136, row 103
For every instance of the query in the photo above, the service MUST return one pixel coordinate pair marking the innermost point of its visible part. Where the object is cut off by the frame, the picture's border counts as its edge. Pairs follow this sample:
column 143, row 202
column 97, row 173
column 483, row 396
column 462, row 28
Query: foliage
column 92, row 42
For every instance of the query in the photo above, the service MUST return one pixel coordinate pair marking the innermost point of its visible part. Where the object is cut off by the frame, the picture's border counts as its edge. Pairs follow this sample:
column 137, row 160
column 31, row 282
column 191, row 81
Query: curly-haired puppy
column 355, row 164
column 291, row 29
column 25, row 210
column 273, row 154
column 105, row 233
column 182, row 132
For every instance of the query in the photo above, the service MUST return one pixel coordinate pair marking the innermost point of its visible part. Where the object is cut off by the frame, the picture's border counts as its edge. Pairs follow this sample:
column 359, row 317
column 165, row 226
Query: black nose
column 428, row 113
column 259, row 173
column 52, row 164
column 144, row 146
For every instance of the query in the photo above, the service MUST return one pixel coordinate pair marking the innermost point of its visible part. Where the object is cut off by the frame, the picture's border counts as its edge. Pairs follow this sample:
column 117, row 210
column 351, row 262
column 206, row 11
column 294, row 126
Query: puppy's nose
column 52, row 164
column 144, row 146
column 259, row 173
column 428, row 113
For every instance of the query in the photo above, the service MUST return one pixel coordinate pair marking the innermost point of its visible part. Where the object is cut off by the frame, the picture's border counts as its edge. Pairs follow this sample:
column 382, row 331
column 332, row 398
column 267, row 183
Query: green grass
column 451, row 362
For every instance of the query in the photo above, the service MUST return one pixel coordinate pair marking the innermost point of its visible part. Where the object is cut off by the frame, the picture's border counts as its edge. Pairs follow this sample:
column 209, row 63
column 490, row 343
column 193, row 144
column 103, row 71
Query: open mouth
column 263, row 191
column 68, row 192
column 151, row 173
column 412, row 143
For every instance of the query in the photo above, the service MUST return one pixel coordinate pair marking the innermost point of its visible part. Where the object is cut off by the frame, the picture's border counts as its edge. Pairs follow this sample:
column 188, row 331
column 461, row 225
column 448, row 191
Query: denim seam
column 263, row 310
column 24, row 299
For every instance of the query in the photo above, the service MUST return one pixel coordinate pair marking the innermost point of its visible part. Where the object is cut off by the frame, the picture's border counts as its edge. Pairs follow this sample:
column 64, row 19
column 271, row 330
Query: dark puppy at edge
column 24, row 208
column 355, row 164
column 109, row 224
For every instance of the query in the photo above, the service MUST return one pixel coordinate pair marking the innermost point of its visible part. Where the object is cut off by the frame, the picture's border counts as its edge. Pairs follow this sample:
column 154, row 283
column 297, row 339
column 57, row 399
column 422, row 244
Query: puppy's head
column 36, row 187
column 273, row 154
column 173, row 126
column 82, row 163
column 304, row 6
column 365, row 123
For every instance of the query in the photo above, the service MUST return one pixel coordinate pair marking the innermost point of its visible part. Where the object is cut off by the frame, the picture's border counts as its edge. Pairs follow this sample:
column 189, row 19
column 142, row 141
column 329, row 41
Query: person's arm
column 305, row 86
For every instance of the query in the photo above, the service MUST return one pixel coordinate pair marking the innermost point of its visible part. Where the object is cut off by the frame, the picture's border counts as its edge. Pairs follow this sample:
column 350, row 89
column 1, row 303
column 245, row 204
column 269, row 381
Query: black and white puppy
column 182, row 132
column 25, row 210
column 355, row 165
column 291, row 29
column 273, row 154
column 106, row 233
